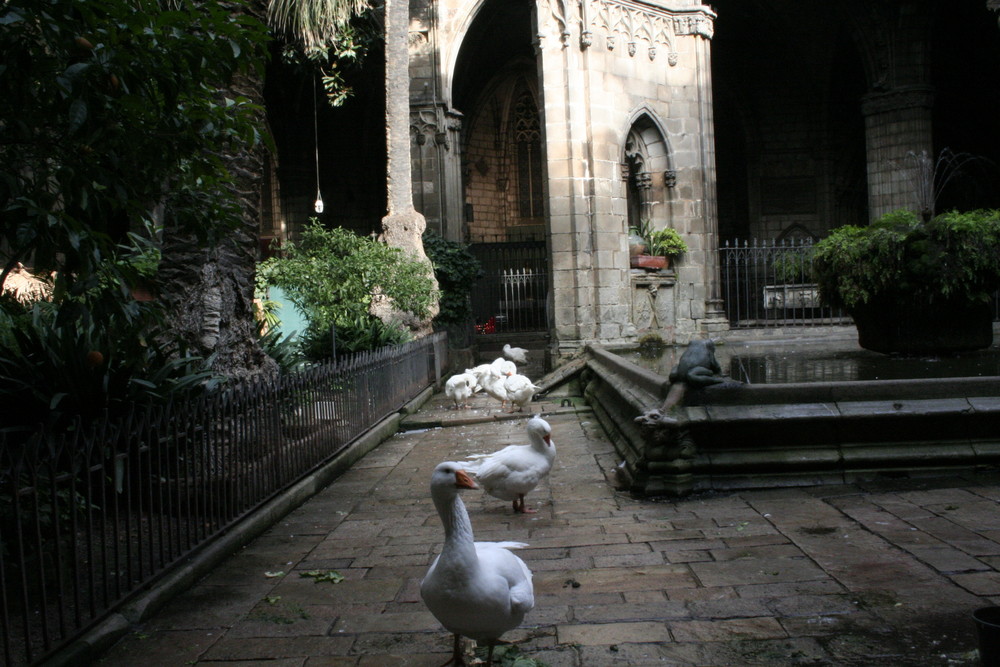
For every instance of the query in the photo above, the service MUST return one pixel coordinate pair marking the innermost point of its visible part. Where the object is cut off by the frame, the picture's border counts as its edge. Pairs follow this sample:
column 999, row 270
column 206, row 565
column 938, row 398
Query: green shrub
column 666, row 243
column 93, row 350
column 55, row 369
column 456, row 270
column 333, row 276
column 794, row 266
column 899, row 257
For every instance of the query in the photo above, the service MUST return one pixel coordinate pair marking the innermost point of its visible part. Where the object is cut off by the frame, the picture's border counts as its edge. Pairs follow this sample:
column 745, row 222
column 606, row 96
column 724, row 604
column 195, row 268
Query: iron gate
column 510, row 296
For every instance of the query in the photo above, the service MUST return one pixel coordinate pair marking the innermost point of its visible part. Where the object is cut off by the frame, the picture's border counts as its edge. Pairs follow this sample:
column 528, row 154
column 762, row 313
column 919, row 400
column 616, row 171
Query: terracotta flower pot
column 650, row 262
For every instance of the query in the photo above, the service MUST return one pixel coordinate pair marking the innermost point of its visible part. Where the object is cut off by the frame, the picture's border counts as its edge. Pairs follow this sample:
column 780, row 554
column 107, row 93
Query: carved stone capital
column 910, row 97
column 635, row 23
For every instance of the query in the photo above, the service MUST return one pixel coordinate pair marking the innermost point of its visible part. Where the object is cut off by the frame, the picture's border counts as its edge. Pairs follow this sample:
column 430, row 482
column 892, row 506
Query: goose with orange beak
column 474, row 589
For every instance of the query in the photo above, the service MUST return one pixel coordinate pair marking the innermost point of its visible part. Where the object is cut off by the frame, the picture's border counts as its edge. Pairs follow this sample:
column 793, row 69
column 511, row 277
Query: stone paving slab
column 885, row 572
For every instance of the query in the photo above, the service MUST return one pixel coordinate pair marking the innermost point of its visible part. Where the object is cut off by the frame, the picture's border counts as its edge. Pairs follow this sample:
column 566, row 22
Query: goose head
column 540, row 433
column 448, row 478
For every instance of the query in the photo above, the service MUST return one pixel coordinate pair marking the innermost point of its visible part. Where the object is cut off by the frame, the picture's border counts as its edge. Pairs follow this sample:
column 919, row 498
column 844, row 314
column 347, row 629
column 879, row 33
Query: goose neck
column 457, row 526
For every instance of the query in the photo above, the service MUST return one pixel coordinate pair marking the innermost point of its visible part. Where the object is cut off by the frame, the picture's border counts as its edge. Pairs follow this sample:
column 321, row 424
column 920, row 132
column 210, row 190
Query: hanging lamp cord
column 316, row 138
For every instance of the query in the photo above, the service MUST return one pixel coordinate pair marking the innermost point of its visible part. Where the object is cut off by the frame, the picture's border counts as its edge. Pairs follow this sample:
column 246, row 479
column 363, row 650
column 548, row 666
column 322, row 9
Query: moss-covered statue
column 698, row 368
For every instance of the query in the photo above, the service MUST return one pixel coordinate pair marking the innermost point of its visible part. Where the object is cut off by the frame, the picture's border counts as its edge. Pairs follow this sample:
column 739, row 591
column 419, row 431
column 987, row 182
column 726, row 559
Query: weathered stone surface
column 834, row 575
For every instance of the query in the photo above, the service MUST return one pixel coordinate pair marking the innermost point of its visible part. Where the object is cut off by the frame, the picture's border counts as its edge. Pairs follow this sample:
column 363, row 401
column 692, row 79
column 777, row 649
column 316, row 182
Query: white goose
column 492, row 380
column 520, row 391
column 474, row 589
column 518, row 354
column 478, row 371
column 460, row 388
column 516, row 470
column 504, row 366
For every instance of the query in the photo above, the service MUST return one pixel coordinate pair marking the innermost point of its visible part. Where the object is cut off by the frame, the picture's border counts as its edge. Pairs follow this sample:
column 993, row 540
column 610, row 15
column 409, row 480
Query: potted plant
column 660, row 246
column 791, row 283
column 915, row 287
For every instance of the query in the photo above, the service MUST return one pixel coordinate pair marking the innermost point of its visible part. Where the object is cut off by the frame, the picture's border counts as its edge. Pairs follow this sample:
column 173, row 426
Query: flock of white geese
column 475, row 589
column 498, row 379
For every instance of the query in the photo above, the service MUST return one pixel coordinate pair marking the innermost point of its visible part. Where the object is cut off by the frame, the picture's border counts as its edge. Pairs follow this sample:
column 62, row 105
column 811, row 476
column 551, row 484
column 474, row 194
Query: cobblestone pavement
column 882, row 573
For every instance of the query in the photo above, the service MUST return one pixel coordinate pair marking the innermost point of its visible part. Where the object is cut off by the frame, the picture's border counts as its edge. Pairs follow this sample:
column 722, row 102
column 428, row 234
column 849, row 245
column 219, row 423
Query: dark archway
column 496, row 89
column 790, row 145
column 352, row 148
column 965, row 72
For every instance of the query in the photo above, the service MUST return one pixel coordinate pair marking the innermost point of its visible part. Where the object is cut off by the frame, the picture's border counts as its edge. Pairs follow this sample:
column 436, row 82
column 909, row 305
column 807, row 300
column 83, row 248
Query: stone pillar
column 436, row 167
column 897, row 128
column 590, row 267
column 434, row 129
column 714, row 319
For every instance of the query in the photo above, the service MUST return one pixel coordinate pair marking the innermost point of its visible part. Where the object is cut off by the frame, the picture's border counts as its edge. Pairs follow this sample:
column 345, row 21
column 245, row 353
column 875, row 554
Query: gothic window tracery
column 528, row 141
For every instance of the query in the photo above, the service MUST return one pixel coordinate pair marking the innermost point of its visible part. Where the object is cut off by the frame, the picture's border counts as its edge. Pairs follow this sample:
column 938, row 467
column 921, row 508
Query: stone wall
column 601, row 71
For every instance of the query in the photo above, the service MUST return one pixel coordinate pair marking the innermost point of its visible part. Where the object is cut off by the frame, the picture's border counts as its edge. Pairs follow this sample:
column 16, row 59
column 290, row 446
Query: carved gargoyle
column 697, row 368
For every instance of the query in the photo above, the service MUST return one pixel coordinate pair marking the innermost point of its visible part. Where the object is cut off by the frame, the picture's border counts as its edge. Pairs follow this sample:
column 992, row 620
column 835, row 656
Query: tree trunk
column 208, row 291
column 404, row 225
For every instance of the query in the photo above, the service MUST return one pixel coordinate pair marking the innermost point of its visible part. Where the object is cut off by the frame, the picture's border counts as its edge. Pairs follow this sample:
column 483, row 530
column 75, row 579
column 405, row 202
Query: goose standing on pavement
column 520, row 391
column 474, row 589
column 492, row 380
column 516, row 470
column 518, row 354
column 460, row 388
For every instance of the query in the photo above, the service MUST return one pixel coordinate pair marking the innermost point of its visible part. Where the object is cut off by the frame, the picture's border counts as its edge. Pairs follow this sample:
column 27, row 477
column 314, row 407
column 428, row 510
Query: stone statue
column 697, row 368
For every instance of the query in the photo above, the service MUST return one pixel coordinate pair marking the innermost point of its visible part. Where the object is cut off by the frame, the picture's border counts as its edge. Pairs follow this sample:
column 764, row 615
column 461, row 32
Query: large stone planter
column 907, row 327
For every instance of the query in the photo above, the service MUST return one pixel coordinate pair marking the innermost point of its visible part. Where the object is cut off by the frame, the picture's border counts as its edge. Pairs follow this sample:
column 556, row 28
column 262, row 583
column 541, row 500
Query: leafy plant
column 58, row 369
column 794, row 266
column 94, row 352
column 508, row 655
column 364, row 333
column 666, row 242
column 108, row 109
column 284, row 349
column 456, row 270
column 335, row 52
column 335, row 276
column 900, row 257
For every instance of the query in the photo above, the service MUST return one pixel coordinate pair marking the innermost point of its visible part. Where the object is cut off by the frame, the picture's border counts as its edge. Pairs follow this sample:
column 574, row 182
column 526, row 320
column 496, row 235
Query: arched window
column 528, row 143
column 647, row 175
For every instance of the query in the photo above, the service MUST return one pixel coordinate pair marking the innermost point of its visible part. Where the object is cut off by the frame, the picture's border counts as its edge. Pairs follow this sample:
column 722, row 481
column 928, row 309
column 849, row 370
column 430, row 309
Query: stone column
column 563, row 103
column 403, row 226
column 897, row 128
column 714, row 319
column 436, row 167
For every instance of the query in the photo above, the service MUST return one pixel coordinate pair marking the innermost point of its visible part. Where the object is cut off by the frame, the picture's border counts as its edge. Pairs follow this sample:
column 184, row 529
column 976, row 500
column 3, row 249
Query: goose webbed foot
column 456, row 654
column 520, row 508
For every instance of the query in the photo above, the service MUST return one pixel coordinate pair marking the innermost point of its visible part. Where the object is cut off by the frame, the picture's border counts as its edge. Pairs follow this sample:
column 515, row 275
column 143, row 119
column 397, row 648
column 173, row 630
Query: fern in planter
column 666, row 243
column 942, row 270
column 954, row 255
column 793, row 267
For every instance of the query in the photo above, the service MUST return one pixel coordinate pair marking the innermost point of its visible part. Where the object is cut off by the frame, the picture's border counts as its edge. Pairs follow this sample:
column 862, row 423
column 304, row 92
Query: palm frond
column 312, row 22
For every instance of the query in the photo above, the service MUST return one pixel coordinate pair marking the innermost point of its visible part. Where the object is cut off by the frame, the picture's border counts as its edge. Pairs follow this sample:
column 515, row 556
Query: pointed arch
column 647, row 170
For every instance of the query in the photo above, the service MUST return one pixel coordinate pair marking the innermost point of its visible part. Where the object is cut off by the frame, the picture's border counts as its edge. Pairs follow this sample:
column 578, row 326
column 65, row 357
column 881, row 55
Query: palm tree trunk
column 404, row 225
column 208, row 290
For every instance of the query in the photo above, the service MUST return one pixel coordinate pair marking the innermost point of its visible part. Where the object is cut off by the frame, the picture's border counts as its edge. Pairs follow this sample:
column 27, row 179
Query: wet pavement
column 886, row 572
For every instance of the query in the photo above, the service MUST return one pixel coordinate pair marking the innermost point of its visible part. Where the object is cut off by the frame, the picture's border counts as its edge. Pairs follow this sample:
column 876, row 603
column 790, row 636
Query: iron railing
column 511, row 294
column 90, row 516
column 769, row 283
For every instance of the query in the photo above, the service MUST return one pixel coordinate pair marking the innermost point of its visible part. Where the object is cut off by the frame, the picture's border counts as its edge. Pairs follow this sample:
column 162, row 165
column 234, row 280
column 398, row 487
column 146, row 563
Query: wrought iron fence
column 89, row 516
column 769, row 283
column 511, row 294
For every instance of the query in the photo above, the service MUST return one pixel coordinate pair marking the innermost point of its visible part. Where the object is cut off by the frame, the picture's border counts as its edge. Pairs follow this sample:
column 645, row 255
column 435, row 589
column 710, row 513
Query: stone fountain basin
column 736, row 436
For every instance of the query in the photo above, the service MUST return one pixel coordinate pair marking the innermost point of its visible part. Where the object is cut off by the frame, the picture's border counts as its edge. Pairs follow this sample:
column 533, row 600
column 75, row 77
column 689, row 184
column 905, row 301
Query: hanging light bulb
column 318, row 204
